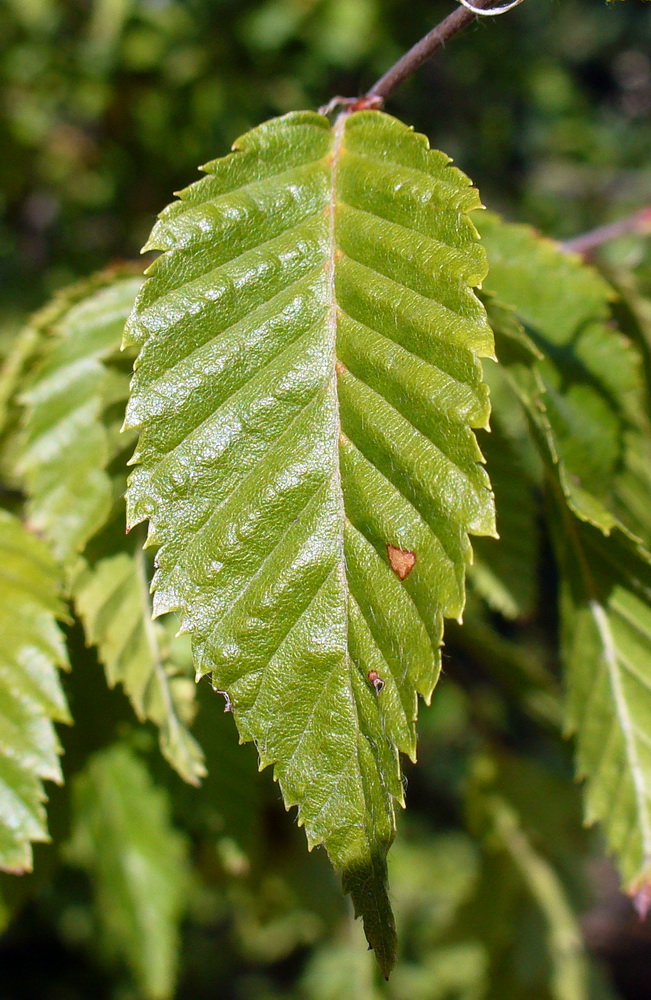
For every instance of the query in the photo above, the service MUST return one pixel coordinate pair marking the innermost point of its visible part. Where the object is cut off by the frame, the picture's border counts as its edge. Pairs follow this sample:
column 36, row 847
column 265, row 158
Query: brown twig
column 638, row 222
column 422, row 50
column 414, row 58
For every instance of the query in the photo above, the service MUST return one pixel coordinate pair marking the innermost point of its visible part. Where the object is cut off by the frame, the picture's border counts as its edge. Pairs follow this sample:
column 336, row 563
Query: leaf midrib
column 337, row 253
column 337, row 147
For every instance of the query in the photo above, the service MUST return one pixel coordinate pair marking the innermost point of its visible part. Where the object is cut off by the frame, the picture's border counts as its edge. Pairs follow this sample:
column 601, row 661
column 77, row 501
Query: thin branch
column 638, row 222
column 422, row 50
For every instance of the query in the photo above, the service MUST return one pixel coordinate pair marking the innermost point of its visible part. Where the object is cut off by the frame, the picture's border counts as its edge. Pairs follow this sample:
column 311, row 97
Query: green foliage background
column 107, row 107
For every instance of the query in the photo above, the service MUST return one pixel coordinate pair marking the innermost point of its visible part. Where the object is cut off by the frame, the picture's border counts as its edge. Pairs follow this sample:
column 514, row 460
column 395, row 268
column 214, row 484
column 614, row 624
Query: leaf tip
column 366, row 881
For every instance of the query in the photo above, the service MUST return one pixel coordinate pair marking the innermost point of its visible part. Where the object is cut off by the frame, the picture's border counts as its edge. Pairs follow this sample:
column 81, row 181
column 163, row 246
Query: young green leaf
column 632, row 486
column 12, row 370
column 112, row 599
column 66, row 445
column 606, row 623
column 75, row 463
column 590, row 373
column 305, row 391
column 30, row 693
column 520, row 361
column 138, row 863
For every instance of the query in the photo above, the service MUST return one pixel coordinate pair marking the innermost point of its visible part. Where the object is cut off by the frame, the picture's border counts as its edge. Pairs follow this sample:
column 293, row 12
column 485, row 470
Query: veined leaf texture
column 606, row 623
column 31, row 697
column 305, row 393
column 112, row 599
column 605, row 587
column 66, row 443
column 73, row 469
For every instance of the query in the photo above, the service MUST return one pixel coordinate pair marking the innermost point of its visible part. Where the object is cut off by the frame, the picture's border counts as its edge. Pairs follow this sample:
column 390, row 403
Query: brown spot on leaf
column 402, row 561
column 340, row 367
column 338, row 254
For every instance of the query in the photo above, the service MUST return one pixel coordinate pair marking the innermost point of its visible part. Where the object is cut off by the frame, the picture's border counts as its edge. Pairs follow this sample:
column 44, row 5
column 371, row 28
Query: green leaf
column 590, row 373
column 506, row 574
column 112, row 599
column 138, row 863
column 632, row 311
column 66, row 448
column 305, row 391
column 632, row 485
column 520, row 361
column 75, row 471
column 11, row 372
column 30, row 692
column 606, row 624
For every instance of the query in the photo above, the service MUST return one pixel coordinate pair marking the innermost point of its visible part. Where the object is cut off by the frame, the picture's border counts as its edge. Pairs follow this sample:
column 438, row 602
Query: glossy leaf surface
column 305, row 391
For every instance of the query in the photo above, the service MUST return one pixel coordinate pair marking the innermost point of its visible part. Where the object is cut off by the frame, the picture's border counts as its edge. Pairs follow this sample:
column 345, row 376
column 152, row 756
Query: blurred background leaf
column 138, row 864
column 108, row 106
